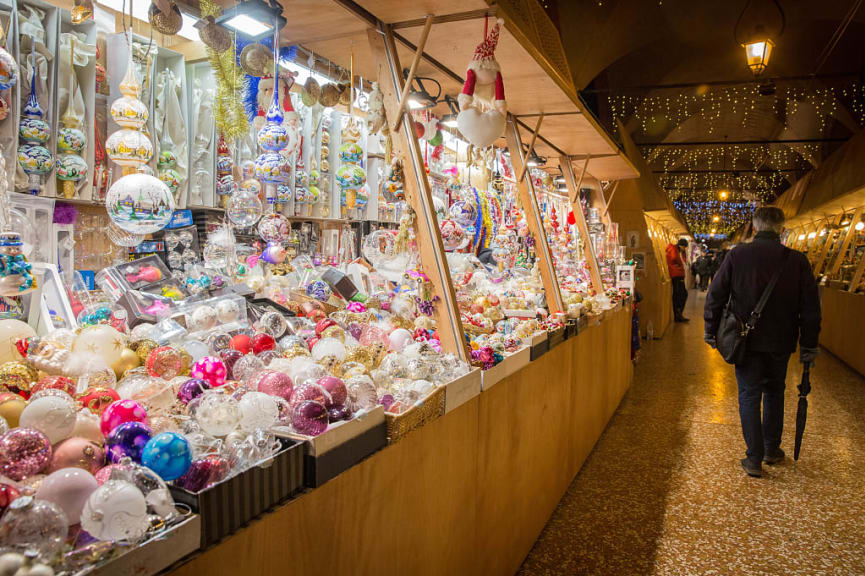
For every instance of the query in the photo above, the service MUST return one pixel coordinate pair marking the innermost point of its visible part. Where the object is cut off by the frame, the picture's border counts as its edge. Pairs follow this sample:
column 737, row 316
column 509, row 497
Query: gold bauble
column 361, row 355
column 331, row 364
column 349, row 369
column 295, row 351
column 128, row 360
column 377, row 351
column 185, row 362
column 334, row 332
column 256, row 60
column 143, row 348
column 11, row 406
column 215, row 36
column 169, row 22
column 17, row 374
column 329, row 96
column 311, row 92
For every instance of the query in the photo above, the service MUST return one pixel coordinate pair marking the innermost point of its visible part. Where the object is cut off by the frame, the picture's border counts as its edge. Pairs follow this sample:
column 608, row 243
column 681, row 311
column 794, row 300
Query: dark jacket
column 792, row 312
column 674, row 261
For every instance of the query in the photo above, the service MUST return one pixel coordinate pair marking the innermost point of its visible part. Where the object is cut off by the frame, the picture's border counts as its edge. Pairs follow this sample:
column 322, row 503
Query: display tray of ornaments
column 509, row 365
column 226, row 507
column 420, row 414
column 540, row 345
column 462, row 389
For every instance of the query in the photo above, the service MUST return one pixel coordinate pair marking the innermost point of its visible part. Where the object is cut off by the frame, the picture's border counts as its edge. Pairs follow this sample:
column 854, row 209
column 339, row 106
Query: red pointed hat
column 485, row 54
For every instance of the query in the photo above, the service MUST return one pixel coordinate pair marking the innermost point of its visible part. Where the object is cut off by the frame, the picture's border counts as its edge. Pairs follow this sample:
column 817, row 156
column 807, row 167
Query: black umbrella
column 802, row 409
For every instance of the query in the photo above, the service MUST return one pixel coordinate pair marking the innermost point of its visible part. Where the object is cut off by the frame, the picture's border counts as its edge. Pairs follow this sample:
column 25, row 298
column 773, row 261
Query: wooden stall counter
column 468, row 493
column 843, row 311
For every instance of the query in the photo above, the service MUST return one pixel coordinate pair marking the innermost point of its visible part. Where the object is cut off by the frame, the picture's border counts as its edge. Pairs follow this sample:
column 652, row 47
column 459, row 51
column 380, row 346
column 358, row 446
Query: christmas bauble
column 24, row 452
column 140, row 203
column 116, row 510
column 168, row 454
column 69, row 488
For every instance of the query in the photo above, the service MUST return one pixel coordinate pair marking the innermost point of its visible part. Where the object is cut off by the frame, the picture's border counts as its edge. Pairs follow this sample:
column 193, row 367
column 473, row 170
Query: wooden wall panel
column 466, row 494
column 842, row 312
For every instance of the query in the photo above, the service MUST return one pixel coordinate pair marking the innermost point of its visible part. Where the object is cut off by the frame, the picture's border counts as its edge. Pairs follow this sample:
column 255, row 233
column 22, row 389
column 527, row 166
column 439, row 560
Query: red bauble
column 419, row 128
column 242, row 343
column 261, row 342
column 323, row 325
column 97, row 398
column 8, row 493
column 56, row 383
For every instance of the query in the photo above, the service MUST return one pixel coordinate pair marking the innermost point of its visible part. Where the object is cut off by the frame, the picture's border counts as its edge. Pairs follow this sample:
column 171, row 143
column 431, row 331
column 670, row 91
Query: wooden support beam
column 816, row 247
column 418, row 53
column 857, row 276
column 535, row 133
column 827, row 245
column 419, row 196
column 580, row 218
column 848, row 237
column 613, row 193
column 529, row 201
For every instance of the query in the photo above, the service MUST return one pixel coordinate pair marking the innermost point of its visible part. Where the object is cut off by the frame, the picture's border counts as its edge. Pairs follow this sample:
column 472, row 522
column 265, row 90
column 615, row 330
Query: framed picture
column 633, row 239
column 639, row 259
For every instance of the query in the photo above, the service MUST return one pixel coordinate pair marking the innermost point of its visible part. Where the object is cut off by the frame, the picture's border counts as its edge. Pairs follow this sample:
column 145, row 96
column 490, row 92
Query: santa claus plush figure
column 482, row 102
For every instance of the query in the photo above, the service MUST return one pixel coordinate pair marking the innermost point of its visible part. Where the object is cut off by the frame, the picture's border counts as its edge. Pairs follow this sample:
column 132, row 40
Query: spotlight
column 253, row 19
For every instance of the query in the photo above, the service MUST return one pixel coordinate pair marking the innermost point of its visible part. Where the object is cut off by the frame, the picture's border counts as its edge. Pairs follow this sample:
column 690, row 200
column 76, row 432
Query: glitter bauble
column 335, row 389
column 262, row 342
column 168, row 454
column 305, row 392
column 164, row 362
column 276, row 384
column 17, row 375
column 120, row 412
column 23, row 453
column 127, row 440
column 309, row 418
column 54, row 383
column 68, row 488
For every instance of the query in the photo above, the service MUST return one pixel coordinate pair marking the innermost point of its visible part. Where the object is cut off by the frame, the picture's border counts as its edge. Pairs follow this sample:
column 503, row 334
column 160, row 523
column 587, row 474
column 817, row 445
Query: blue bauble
column 168, row 454
column 128, row 439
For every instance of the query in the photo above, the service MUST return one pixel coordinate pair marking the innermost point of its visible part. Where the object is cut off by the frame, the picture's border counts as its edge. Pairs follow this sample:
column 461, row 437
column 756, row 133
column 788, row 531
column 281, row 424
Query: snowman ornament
column 483, row 108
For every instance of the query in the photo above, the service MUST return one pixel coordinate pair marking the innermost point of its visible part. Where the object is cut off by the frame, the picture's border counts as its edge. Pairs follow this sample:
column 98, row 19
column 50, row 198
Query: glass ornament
column 127, row 440
column 168, row 454
column 217, row 414
column 117, row 510
column 227, row 311
column 204, row 472
column 463, row 213
column 210, row 369
column 272, row 167
column 97, row 398
column 24, row 452
column 164, row 362
column 149, row 483
column 362, row 394
column 308, row 391
column 218, row 341
column 120, row 412
column 202, row 318
column 309, row 418
column 244, row 209
column 335, row 389
column 68, row 488
column 276, row 384
column 262, row 342
column 8, row 70
column 53, row 415
column 257, row 410
column 272, row 323
column 140, row 203
column 350, row 177
column 30, row 525
column 34, row 158
column 192, row 389
column 79, row 452
column 319, row 289
column 274, row 227
column 230, row 356
column 329, row 348
column 246, row 367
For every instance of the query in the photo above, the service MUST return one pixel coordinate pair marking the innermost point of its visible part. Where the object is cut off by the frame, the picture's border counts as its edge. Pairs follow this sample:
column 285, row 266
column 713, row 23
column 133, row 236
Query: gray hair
column 769, row 219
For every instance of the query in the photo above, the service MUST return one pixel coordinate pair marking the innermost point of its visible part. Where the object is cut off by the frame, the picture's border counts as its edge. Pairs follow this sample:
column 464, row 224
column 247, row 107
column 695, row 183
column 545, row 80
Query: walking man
column 791, row 315
column 676, row 266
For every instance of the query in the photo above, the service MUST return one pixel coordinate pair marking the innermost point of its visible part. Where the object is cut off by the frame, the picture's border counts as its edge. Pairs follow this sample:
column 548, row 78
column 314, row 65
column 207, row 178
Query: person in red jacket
column 676, row 266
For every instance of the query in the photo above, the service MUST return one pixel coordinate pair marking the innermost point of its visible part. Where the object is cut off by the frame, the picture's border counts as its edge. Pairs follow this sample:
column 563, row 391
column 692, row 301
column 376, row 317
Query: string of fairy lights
column 716, row 186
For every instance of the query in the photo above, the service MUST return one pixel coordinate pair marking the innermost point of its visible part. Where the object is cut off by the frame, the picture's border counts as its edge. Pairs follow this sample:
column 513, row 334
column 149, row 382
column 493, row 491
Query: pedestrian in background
column 791, row 315
column 676, row 266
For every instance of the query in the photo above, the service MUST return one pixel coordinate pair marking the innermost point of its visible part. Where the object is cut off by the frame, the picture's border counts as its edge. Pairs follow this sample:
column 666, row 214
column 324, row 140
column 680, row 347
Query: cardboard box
column 226, row 507
column 340, row 447
column 463, row 389
column 506, row 367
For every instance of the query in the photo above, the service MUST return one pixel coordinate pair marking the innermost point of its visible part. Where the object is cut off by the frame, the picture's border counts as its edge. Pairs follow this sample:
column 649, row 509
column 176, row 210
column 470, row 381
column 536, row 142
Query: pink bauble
column 306, row 392
column 77, row 453
column 336, row 390
column 372, row 334
column 399, row 339
column 24, row 452
column 275, row 384
column 119, row 412
column 210, row 369
column 69, row 488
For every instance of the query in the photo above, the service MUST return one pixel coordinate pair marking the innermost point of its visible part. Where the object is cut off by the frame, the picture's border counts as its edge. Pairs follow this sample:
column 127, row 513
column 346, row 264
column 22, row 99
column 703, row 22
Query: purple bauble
column 230, row 356
column 336, row 390
column 204, row 472
column 306, row 392
column 128, row 439
column 276, row 384
column 23, row 453
column 355, row 329
column 191, row 389
column 309, row 418
column 338, row 413
column 387, row 400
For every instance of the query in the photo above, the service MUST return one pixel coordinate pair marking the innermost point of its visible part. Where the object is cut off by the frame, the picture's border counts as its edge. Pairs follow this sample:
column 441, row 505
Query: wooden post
column 613, row 193
column 419, row 196
column 576, row 206
column 827, row 244
column 848, row 236
column 529, row 201
column 857, row 276
column 531, row 146
column 814, row 248
column 400, row 110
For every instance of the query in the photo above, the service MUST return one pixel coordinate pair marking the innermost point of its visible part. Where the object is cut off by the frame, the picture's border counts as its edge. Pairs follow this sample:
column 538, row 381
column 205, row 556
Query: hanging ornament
column 71, row 167
column 165, row 17
column 214, row 36
column 33, row 157
column 273, row 166
column 15, row 272
column 138, row 202
column 225, row 186
column 82, row 10
column 482, row 101
column 350, row 176
column 8, row 65
column 256, row 60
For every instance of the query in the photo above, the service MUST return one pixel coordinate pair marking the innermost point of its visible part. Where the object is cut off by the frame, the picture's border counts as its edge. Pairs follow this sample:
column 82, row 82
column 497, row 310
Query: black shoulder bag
column 732, row 332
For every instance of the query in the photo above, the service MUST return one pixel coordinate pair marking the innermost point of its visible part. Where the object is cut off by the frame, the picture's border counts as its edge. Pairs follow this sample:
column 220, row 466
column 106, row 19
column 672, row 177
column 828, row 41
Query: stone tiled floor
column 663, row 492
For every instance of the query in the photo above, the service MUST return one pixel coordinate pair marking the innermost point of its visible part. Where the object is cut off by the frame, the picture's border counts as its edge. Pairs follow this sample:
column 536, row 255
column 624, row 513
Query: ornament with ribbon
column 482, row 101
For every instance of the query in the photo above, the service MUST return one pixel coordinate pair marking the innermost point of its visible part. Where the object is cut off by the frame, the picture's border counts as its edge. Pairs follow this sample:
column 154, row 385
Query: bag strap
column 764, row 298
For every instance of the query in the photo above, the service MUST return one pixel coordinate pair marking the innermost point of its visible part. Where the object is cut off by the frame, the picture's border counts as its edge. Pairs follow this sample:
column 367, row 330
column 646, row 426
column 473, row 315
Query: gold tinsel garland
column 228, row 112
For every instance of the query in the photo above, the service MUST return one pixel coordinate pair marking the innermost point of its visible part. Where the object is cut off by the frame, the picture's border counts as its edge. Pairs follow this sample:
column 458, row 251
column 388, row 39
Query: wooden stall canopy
column 534, row 78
